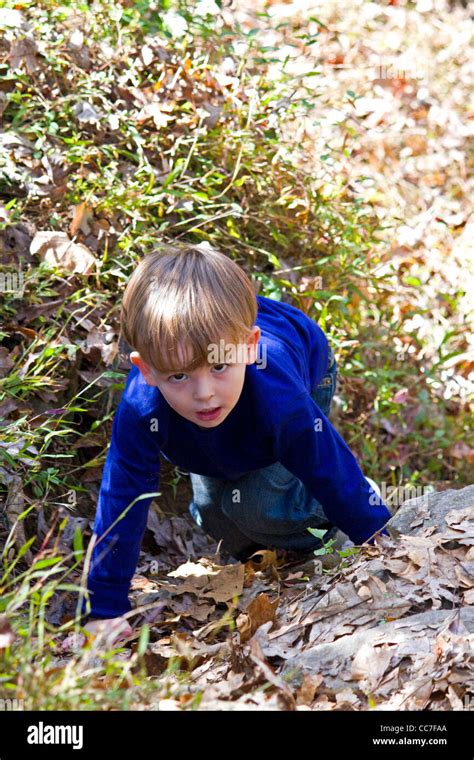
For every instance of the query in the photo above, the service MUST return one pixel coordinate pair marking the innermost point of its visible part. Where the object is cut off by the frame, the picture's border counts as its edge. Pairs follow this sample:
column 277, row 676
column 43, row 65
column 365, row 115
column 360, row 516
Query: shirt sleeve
column 312, row 449
column 131, row 469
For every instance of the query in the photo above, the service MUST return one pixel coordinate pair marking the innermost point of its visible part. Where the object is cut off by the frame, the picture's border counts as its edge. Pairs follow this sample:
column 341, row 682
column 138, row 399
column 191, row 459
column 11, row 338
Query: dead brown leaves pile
column 391, row 628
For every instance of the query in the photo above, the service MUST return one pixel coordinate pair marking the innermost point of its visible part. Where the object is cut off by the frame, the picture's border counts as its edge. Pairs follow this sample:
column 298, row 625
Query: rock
column 430, row 510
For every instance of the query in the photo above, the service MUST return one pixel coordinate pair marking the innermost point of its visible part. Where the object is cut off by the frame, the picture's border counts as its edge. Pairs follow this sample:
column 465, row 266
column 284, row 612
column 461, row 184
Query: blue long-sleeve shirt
column 273, row 421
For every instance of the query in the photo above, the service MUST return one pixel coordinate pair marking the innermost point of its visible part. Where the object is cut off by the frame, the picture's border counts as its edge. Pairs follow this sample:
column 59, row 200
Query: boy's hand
column 110, row 631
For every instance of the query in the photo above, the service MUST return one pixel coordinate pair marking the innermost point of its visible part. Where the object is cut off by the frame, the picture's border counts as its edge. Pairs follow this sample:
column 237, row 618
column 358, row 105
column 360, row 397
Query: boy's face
column 213, row 389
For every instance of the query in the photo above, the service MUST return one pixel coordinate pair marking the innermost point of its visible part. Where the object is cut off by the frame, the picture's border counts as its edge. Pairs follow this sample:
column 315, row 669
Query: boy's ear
column 144, row 368
column 252, row 342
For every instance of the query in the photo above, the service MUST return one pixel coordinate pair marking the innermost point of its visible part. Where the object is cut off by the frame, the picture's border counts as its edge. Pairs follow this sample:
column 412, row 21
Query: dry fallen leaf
column 59, row 251
column 461, row 450
column 221, row 583
column 6, row 362
column 24, row 50
column 103, row 340
column 260, row 610
column 82, row 216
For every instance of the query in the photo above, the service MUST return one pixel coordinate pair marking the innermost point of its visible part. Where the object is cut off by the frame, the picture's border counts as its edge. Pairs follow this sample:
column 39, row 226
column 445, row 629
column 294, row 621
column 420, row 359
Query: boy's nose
column 203, row 392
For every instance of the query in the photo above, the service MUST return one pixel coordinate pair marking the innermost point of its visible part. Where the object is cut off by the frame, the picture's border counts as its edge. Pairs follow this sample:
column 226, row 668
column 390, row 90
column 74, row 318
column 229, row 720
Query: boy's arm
column 132, row 468
column 312, row 449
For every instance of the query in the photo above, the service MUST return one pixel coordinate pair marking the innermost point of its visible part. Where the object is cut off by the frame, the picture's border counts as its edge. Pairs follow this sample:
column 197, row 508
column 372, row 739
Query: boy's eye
column 178, row 377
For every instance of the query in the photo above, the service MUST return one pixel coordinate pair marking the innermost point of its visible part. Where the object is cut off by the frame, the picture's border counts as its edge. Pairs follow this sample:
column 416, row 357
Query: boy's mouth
column 209, row 414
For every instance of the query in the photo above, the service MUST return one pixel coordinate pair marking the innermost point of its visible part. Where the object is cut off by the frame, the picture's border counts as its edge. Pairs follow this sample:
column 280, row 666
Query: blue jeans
column 274, row 509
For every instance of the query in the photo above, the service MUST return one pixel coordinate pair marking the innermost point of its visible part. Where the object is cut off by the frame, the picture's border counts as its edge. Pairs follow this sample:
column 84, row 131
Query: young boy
column 235, row 389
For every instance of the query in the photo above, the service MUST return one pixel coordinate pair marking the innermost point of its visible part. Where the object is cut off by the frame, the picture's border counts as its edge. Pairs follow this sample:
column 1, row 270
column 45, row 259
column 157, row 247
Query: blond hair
column 190, row 294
